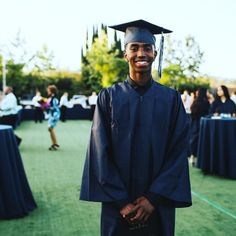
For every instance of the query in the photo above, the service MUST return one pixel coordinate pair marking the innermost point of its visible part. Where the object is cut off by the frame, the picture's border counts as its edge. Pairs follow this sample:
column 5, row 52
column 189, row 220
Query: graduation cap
column 143, row 31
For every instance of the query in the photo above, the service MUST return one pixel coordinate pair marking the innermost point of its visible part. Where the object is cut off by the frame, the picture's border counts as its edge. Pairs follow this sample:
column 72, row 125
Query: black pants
column 38, row 114
column 10, row 120
column 63, row 113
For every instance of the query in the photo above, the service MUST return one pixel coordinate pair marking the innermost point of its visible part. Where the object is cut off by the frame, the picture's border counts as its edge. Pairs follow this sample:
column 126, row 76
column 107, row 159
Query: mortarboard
column 143, row 31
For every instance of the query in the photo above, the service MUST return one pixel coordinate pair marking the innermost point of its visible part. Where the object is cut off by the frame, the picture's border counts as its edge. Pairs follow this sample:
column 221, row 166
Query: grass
column 55, row 179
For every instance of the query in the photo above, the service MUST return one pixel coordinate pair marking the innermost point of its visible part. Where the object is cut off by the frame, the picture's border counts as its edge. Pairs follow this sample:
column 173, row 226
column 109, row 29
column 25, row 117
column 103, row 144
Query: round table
column 217, row 146
column 16, row 199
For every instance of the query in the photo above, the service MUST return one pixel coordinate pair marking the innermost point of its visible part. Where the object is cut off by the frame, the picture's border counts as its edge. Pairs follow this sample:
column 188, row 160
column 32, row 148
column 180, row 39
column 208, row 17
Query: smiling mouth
column 142, row 63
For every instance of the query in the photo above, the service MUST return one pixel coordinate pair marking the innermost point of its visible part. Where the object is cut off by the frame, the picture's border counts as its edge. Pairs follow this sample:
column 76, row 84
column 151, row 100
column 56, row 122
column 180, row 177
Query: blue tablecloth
column 16, row 199
column 217, row 146
column 75, row 113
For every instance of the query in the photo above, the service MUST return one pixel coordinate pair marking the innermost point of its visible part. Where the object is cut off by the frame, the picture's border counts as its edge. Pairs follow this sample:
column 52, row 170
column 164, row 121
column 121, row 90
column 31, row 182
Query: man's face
column 140, row 56
column 7, row 90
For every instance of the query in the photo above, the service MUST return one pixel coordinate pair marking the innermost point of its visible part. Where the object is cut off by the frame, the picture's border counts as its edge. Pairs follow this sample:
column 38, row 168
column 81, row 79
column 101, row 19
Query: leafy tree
column 103, row 66
column 43, row 60
column 183, row 60
column 186, row 55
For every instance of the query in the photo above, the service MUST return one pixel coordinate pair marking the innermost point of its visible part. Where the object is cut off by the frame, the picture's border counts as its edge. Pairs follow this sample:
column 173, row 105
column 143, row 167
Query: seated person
column 223, row 104
column 8, row 109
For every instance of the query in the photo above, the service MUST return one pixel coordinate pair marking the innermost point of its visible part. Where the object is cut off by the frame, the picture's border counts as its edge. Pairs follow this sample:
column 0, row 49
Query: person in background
column 187, row 100
column 9, row 111
column 53, row 115
column 210, row 97
column 38, row 112
column 193, row 96
column 199, row 108
column 63, row 106
column 93, row 101
column 223, row 104
column 233, row 97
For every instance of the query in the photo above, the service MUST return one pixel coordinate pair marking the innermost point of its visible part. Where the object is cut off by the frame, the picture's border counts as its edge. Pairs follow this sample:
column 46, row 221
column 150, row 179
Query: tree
column 43, row 60
column 15, row 76
column 187, row 55
column 103, row 67
column 116, row 47
column 19, row 60
column 182, row 65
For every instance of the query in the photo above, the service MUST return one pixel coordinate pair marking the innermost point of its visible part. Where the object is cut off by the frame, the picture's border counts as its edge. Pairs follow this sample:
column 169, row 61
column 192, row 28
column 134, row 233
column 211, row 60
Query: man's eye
column 148, row 49
column 134, row 49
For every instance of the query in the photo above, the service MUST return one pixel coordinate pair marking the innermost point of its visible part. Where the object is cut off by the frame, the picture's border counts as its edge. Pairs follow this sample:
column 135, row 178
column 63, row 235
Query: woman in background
column 223, row 103
column 54, row 114
column 199, row 108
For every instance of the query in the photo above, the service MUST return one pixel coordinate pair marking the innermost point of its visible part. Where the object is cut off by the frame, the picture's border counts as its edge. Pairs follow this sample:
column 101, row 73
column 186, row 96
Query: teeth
column 141, row 62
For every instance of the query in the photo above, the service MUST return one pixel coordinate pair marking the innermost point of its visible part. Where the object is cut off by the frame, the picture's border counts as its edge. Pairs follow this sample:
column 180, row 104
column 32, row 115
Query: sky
column 62, row 24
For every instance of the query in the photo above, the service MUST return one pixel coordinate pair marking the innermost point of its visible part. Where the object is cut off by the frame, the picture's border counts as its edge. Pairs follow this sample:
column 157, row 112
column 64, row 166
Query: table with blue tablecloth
column 217, row 146
column 16, row 199
column 75, row 113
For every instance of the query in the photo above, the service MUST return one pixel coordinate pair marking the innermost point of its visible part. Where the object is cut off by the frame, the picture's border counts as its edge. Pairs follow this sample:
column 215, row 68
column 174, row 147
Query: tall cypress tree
column 95, row 33
column 116, row 46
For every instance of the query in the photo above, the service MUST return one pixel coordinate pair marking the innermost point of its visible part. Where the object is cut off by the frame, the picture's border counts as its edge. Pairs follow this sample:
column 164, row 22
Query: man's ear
column 125, row 56
column 155, row 54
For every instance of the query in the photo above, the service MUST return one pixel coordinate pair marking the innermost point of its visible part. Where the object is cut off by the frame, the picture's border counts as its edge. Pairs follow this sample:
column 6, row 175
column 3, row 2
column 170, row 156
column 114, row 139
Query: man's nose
column 141, row 52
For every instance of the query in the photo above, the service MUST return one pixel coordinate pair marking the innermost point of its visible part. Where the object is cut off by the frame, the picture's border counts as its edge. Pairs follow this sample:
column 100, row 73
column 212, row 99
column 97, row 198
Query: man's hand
column 126, row 210
column 143, row 209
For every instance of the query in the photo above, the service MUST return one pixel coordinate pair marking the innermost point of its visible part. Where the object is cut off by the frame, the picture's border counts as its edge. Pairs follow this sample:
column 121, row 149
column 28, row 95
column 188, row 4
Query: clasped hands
column 137, row 212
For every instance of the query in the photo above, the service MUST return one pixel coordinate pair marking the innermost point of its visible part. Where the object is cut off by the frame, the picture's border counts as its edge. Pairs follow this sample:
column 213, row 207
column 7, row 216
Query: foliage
column 186, row 55
column 43, row 60
column 171, row 77
column 183, row 60
column 102, row 66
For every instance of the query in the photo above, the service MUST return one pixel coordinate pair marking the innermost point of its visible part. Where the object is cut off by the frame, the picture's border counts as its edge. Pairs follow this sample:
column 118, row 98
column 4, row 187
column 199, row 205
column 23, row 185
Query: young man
column 136, row 161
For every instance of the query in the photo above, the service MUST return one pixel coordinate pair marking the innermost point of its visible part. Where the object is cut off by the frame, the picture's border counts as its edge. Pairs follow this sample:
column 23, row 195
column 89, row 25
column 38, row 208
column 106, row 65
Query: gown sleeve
column 172, row 185
column 101, row 180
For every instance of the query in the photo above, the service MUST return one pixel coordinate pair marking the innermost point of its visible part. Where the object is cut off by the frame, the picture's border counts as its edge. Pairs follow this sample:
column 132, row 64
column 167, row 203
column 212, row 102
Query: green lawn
column 55, row 177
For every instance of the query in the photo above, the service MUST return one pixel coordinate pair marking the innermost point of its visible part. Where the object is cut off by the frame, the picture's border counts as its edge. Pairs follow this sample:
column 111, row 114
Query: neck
column 223, row 98
column 140, row 78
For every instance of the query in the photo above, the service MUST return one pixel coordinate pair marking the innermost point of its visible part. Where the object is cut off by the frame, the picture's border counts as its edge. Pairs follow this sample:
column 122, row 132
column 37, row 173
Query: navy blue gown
column 138, row 145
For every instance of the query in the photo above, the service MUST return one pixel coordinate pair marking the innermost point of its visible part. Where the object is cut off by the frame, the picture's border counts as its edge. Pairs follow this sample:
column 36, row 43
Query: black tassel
column 161, row 56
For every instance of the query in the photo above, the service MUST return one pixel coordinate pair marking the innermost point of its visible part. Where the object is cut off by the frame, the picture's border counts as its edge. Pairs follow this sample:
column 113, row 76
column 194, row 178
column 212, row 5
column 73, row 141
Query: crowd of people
column 50, row 108
column 203, row 103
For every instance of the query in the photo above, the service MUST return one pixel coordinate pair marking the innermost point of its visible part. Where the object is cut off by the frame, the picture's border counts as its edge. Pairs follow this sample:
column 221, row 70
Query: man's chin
column 143, row 69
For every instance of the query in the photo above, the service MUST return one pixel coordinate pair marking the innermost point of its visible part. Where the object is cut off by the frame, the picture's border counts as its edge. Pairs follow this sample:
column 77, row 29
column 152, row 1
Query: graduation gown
column 138, row 145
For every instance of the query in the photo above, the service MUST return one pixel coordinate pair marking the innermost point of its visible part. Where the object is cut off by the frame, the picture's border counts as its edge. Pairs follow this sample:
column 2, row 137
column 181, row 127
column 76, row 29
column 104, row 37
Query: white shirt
column 9, row 105
column 35, row 100
column 93, row 100
column 64, row 101
column 233, row 98
column 187, row 101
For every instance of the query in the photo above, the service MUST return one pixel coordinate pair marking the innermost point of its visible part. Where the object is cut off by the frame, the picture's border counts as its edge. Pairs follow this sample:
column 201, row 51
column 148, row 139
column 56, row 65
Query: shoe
column 52, row 148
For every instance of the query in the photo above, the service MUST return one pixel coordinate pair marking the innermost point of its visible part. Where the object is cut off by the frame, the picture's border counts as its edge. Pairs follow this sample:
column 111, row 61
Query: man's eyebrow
column 134, row 45
column 138, row 45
